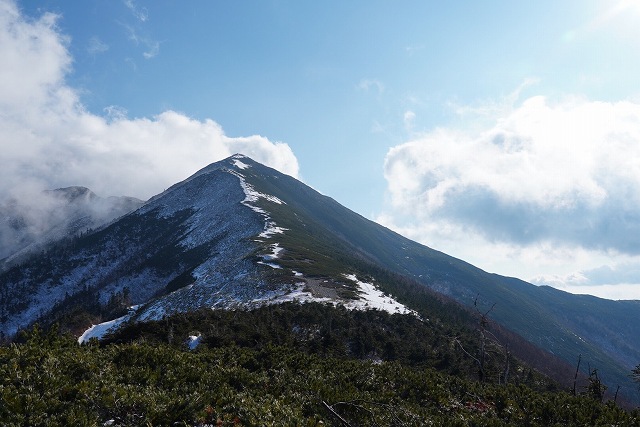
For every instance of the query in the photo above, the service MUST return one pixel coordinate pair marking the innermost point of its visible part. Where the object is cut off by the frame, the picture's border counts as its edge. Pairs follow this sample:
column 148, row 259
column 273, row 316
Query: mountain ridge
column 32, row 221
column 237, row 233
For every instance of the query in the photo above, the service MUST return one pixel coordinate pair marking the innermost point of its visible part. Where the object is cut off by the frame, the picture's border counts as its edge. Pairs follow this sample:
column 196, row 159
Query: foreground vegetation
column 310, row 376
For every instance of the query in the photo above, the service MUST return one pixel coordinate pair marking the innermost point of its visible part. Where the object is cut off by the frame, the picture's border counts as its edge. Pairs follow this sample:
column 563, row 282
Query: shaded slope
column 194, row 235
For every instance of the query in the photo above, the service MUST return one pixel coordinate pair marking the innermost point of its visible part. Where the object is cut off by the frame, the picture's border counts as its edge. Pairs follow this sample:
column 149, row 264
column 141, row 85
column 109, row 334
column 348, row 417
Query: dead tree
column 486, row 339
column 575, row 377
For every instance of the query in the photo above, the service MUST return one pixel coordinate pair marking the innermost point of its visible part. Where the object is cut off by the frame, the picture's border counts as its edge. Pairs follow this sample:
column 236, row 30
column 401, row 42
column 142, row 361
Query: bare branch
column 335, row 414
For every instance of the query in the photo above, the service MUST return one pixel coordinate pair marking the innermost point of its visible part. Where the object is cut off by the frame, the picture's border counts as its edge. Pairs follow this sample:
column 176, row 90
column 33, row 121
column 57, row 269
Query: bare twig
column 335, row 414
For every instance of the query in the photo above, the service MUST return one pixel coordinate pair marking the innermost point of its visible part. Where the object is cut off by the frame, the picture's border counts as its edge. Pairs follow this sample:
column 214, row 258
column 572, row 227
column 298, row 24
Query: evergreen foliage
column 49, row 380
column 329, row 331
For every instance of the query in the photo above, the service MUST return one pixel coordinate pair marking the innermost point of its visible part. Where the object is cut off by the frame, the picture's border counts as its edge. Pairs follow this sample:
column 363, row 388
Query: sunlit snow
column 101, row 329
column 371, row 297
column 298, row 294
column 268, row 258
column 237, row 163
column 270, row 229
column 193, row 341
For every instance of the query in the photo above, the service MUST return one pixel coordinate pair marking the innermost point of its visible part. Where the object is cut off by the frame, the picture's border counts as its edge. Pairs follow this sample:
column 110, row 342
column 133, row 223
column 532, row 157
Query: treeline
column 328, row 331
column 49, row 380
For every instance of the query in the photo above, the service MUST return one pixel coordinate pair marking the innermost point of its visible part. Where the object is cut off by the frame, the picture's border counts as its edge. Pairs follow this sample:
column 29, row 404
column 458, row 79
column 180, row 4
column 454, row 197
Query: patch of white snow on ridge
column 275, row 250
column 101, row 329
column 252, row 196
column 298, row 294
column 371, row 297
column 270, row 264
column 240, row 165
column 270, row 229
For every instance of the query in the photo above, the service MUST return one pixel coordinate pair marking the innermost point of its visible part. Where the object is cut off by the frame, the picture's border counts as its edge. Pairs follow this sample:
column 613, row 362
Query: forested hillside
column 289, row 364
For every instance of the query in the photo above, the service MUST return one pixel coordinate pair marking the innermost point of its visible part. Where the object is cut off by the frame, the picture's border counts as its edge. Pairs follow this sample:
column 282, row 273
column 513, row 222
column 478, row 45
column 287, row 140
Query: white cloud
column 621, row 275
column 369, row 84
column 494, row 108
column 49, row 140
column 409, row 118
column 141, row 14
column 152, row 47
column 96, row 46
column 568, row 171
column 562, row 175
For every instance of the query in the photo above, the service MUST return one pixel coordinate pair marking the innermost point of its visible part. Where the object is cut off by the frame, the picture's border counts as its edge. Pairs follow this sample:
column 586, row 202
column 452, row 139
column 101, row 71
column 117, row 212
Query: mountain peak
column 73, row 194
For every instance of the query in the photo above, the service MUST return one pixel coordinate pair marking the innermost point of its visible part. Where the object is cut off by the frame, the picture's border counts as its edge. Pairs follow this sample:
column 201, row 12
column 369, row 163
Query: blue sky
column 503, row 133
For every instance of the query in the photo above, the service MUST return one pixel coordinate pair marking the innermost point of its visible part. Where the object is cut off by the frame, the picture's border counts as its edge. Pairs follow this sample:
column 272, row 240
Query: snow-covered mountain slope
column 29, row 223
column 208, row 241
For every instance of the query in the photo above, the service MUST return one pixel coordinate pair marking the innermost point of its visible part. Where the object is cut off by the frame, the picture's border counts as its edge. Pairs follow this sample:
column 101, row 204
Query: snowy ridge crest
column 252, row 196
column 369, row 298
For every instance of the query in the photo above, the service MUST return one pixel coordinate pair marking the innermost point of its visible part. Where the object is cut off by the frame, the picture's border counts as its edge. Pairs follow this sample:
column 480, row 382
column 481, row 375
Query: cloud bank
column 563, row 175
column 49, row 140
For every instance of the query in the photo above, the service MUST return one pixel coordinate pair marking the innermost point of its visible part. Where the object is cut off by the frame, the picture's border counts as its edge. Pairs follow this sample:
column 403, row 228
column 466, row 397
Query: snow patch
column 237, row 163
column 270, row 264
column 252, row 195
column 268, row 258
column 271, row 229
column 194, row 341
column 297, row 294
column 101, row 329
column 371, row 297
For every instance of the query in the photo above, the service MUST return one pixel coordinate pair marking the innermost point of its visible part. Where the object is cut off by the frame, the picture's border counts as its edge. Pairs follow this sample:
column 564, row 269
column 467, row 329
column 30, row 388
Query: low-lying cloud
column 49, row 140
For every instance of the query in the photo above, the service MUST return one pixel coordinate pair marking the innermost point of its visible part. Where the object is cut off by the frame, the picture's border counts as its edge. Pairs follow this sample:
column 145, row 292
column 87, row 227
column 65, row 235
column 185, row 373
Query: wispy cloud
column 370, row 84
column 409, row 118
column 96, row 46
column 136, row 33
column 115, row 113
column 616, row 274
column 413, row 49
column 494, row 108
column 616, row 281
column 617, row 16
column 142, row 14
column 151, row 47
